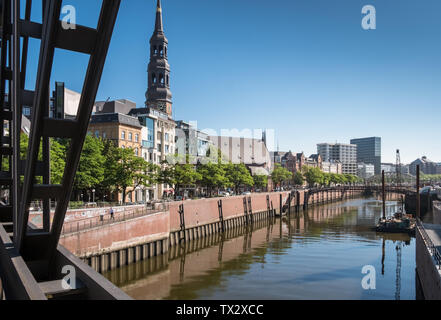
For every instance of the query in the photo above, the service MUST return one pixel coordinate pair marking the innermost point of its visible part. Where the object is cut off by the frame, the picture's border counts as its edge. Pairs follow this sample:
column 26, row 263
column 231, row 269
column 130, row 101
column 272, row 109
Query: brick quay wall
column 112, row 245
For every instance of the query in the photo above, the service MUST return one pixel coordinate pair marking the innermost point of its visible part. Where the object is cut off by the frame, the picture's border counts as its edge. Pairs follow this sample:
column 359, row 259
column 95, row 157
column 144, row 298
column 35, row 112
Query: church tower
column 158, row 94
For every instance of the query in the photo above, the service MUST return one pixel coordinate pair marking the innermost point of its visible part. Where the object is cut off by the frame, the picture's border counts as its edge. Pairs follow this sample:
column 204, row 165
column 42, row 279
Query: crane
column 398, row 168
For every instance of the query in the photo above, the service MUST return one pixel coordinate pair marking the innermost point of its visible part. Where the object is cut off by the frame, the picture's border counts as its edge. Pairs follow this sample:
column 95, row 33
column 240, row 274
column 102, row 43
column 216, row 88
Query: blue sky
column 304, row 68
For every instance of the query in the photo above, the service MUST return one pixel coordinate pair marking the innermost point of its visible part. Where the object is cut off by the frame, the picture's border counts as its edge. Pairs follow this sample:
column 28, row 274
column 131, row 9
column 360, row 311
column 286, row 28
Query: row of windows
column 167, row 148
column 160, row 79
column 130, row 136
column 167, row 137
column 136, row 151
column 159, row 49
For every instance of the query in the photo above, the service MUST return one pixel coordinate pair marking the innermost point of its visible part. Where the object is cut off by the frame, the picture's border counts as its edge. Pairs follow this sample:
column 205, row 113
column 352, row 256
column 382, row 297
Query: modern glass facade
column 149, row 123
column 369, row 151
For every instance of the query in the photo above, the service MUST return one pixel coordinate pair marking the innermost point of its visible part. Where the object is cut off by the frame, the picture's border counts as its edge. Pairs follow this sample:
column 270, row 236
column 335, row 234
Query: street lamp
column 93, row 195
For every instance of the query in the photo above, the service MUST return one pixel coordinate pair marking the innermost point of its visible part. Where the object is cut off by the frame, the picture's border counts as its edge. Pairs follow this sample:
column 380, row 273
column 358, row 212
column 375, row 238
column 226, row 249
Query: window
column 123, row 147
column 97, row 134
column 136, row 152
column 136, row 137
column 104, row 135
column 159, row 147
column 166, row 148
column 161, row 51
column 123, row 135
column 166, row 137
column 130, row 136
column 161, row 78
column 153, row 78
column 159, row 135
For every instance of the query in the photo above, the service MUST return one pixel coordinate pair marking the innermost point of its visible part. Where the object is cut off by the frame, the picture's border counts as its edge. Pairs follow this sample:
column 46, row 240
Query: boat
column 399, row 223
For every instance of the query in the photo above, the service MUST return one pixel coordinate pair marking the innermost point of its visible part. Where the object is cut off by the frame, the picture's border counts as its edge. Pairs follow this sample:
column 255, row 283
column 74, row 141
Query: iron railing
column 87, row 224
column 432, row 248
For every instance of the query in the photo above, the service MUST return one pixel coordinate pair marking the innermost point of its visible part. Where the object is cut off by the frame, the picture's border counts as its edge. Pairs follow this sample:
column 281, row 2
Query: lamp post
column 93, row 195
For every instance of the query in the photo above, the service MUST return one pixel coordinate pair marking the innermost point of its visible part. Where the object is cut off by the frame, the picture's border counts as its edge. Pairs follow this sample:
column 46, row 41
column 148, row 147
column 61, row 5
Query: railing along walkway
column 86, row 224
column 433, row 249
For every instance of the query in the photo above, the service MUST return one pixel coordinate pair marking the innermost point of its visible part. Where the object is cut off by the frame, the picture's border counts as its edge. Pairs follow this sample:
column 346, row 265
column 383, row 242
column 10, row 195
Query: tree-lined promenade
column 105, row 168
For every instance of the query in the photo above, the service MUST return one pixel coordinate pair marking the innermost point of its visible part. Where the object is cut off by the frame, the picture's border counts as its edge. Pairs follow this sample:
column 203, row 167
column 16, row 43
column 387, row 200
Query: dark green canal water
column 318, row 254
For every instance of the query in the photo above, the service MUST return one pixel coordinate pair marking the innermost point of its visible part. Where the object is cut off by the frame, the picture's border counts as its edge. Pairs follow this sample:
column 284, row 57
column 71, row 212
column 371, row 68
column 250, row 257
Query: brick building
column 125, row 132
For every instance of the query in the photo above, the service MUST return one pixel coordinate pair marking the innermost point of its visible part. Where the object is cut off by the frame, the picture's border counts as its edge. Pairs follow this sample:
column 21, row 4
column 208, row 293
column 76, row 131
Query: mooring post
column 280, row 202
column 250, row 211
column 268, row 204
column 221, row 215
column 384, row 194
column 272, row 209
column 418, row 213
column 245, row 210
column 182, row 223
column 289, row 204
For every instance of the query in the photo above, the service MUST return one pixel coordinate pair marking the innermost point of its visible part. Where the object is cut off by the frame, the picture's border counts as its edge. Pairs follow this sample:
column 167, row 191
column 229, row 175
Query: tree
column 58, row 160
column 212, row 175
column 91, row 169
column 238, row 175
column 313, row 176
column 280, row 175
column 350, row 178
column 298, row 179
column 123, row 169
column 326, row 179
column 260, row 181
column 180, row 171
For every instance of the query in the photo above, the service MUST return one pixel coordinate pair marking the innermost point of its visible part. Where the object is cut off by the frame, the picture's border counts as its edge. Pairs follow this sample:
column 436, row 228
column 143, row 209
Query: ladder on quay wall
column 28, row 179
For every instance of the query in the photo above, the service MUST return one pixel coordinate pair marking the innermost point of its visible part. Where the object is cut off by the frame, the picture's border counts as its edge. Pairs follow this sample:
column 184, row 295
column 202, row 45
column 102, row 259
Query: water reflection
column 316, row 254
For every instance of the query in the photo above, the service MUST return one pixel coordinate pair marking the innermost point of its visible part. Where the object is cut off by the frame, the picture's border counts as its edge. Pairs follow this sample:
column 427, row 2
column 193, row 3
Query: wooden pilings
column 108, row 260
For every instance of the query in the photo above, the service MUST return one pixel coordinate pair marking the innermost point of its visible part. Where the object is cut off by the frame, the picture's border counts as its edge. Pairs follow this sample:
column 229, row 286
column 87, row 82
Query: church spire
column 158, row 23
column 158, row 95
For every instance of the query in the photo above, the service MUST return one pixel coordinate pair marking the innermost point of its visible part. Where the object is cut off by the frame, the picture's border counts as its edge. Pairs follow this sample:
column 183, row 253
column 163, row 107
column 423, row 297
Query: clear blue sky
column 304, row 68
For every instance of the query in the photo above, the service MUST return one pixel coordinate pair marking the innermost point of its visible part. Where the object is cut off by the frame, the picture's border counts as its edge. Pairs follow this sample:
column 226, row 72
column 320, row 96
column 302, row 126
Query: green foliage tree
column 123, row 170
column 212, row 175
column 91, row 167
column 299, row 180
column 238, row 175
column 179, row 171
column 58, row 160
column 313, row 176
column 280, row 175
column 260, row 181
column 326, row 180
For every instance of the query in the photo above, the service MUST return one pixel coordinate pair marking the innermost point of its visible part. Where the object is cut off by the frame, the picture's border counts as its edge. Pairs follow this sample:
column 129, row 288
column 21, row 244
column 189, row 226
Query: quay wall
column 429, row 276
column 437, row 212
column 110, row 246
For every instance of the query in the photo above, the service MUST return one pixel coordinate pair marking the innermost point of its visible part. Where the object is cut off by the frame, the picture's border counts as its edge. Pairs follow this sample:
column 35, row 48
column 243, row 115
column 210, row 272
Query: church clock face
column 162, row 107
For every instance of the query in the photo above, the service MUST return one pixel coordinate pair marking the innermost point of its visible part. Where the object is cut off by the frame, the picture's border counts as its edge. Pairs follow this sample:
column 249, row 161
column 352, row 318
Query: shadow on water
column 316, row 254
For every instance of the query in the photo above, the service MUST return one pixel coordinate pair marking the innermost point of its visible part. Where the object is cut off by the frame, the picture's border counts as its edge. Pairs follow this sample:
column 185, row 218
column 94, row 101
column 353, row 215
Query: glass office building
column 369, row 151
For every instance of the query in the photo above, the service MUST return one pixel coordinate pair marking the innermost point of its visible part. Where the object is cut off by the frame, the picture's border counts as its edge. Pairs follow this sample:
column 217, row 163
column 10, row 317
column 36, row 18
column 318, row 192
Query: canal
column 316, row 254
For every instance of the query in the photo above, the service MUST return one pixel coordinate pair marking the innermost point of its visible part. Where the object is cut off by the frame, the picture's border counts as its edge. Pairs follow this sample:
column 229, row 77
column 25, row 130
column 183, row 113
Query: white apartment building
column 346, row 154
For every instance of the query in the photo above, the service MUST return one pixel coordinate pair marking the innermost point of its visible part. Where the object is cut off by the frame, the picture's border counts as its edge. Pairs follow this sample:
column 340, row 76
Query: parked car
column 246, row 193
